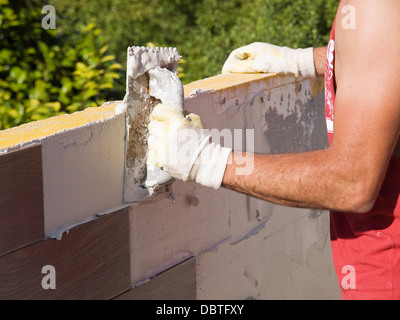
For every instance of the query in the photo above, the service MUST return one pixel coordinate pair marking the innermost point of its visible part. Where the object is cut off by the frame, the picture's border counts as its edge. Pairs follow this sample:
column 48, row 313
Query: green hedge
column 205, row 31
column 82, row 62
column 45, row 72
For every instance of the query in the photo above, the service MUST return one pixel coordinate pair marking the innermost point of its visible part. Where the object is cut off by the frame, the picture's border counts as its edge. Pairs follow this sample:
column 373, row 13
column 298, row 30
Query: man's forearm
column 306, row 180
column 319, row 60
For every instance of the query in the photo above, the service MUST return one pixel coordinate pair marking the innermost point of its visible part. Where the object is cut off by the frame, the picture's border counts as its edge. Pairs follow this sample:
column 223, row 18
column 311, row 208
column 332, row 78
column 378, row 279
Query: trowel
column 152, row 78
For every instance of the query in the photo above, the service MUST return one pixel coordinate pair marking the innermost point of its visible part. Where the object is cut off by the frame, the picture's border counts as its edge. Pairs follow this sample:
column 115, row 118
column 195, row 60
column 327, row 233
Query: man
column 358, row 177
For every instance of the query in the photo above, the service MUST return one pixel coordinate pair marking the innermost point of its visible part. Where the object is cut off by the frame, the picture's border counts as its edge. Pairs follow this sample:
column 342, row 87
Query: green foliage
column 225, row 26
column 205, row 31
column 164, row 23
column 50, row 72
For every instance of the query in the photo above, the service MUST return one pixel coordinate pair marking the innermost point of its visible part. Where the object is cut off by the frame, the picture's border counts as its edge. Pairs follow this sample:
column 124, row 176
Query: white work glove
column 179, row 145
column 260, row 57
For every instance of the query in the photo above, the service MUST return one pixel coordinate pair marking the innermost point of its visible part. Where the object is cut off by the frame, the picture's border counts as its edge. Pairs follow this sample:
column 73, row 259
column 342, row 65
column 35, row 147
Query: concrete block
column 83, row 172
column 164, row 233
column 271, row 265
column 285, row 114
column 83, row 158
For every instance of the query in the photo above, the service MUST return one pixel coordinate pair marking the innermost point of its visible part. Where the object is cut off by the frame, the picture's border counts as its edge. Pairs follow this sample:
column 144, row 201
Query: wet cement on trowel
column 148, row 69
column 138, row 118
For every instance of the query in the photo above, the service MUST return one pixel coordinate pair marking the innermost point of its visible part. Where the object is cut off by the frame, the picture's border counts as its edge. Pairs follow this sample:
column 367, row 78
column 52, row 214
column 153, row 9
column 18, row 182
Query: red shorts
column 366, row 247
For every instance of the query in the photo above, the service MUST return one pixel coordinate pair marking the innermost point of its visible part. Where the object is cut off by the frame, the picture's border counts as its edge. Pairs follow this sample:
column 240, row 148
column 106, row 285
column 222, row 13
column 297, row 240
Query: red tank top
column 365, row 247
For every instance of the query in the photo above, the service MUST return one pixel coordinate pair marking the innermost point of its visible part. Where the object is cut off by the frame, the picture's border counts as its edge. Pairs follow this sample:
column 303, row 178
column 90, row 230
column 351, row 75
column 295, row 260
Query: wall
column 62, row 205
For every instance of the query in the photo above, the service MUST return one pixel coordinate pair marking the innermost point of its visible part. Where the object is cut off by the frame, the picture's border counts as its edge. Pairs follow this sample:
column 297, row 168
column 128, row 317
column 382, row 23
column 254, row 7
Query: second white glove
column 260, row 57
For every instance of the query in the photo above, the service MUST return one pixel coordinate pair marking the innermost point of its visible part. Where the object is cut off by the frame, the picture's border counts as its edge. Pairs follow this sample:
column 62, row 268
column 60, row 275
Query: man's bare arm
column 347, row 176
column 319, row 60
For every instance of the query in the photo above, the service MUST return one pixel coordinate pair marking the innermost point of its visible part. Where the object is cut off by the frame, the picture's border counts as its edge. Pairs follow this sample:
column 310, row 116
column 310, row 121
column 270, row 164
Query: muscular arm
column 319, row 60
column 348, row 175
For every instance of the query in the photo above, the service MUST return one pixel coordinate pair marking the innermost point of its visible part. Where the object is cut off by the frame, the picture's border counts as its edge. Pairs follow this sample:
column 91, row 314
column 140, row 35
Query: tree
column 46, row 72
column 205, row 31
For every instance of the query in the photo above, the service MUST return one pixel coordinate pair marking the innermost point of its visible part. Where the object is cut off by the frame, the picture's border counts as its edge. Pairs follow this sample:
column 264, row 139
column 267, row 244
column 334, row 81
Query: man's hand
column 179, row 145
column 261, row 57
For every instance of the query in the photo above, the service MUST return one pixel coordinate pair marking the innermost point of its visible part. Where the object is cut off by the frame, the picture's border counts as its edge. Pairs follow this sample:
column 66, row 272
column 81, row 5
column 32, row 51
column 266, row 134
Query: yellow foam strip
column 39, row 129
column 224, row 81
